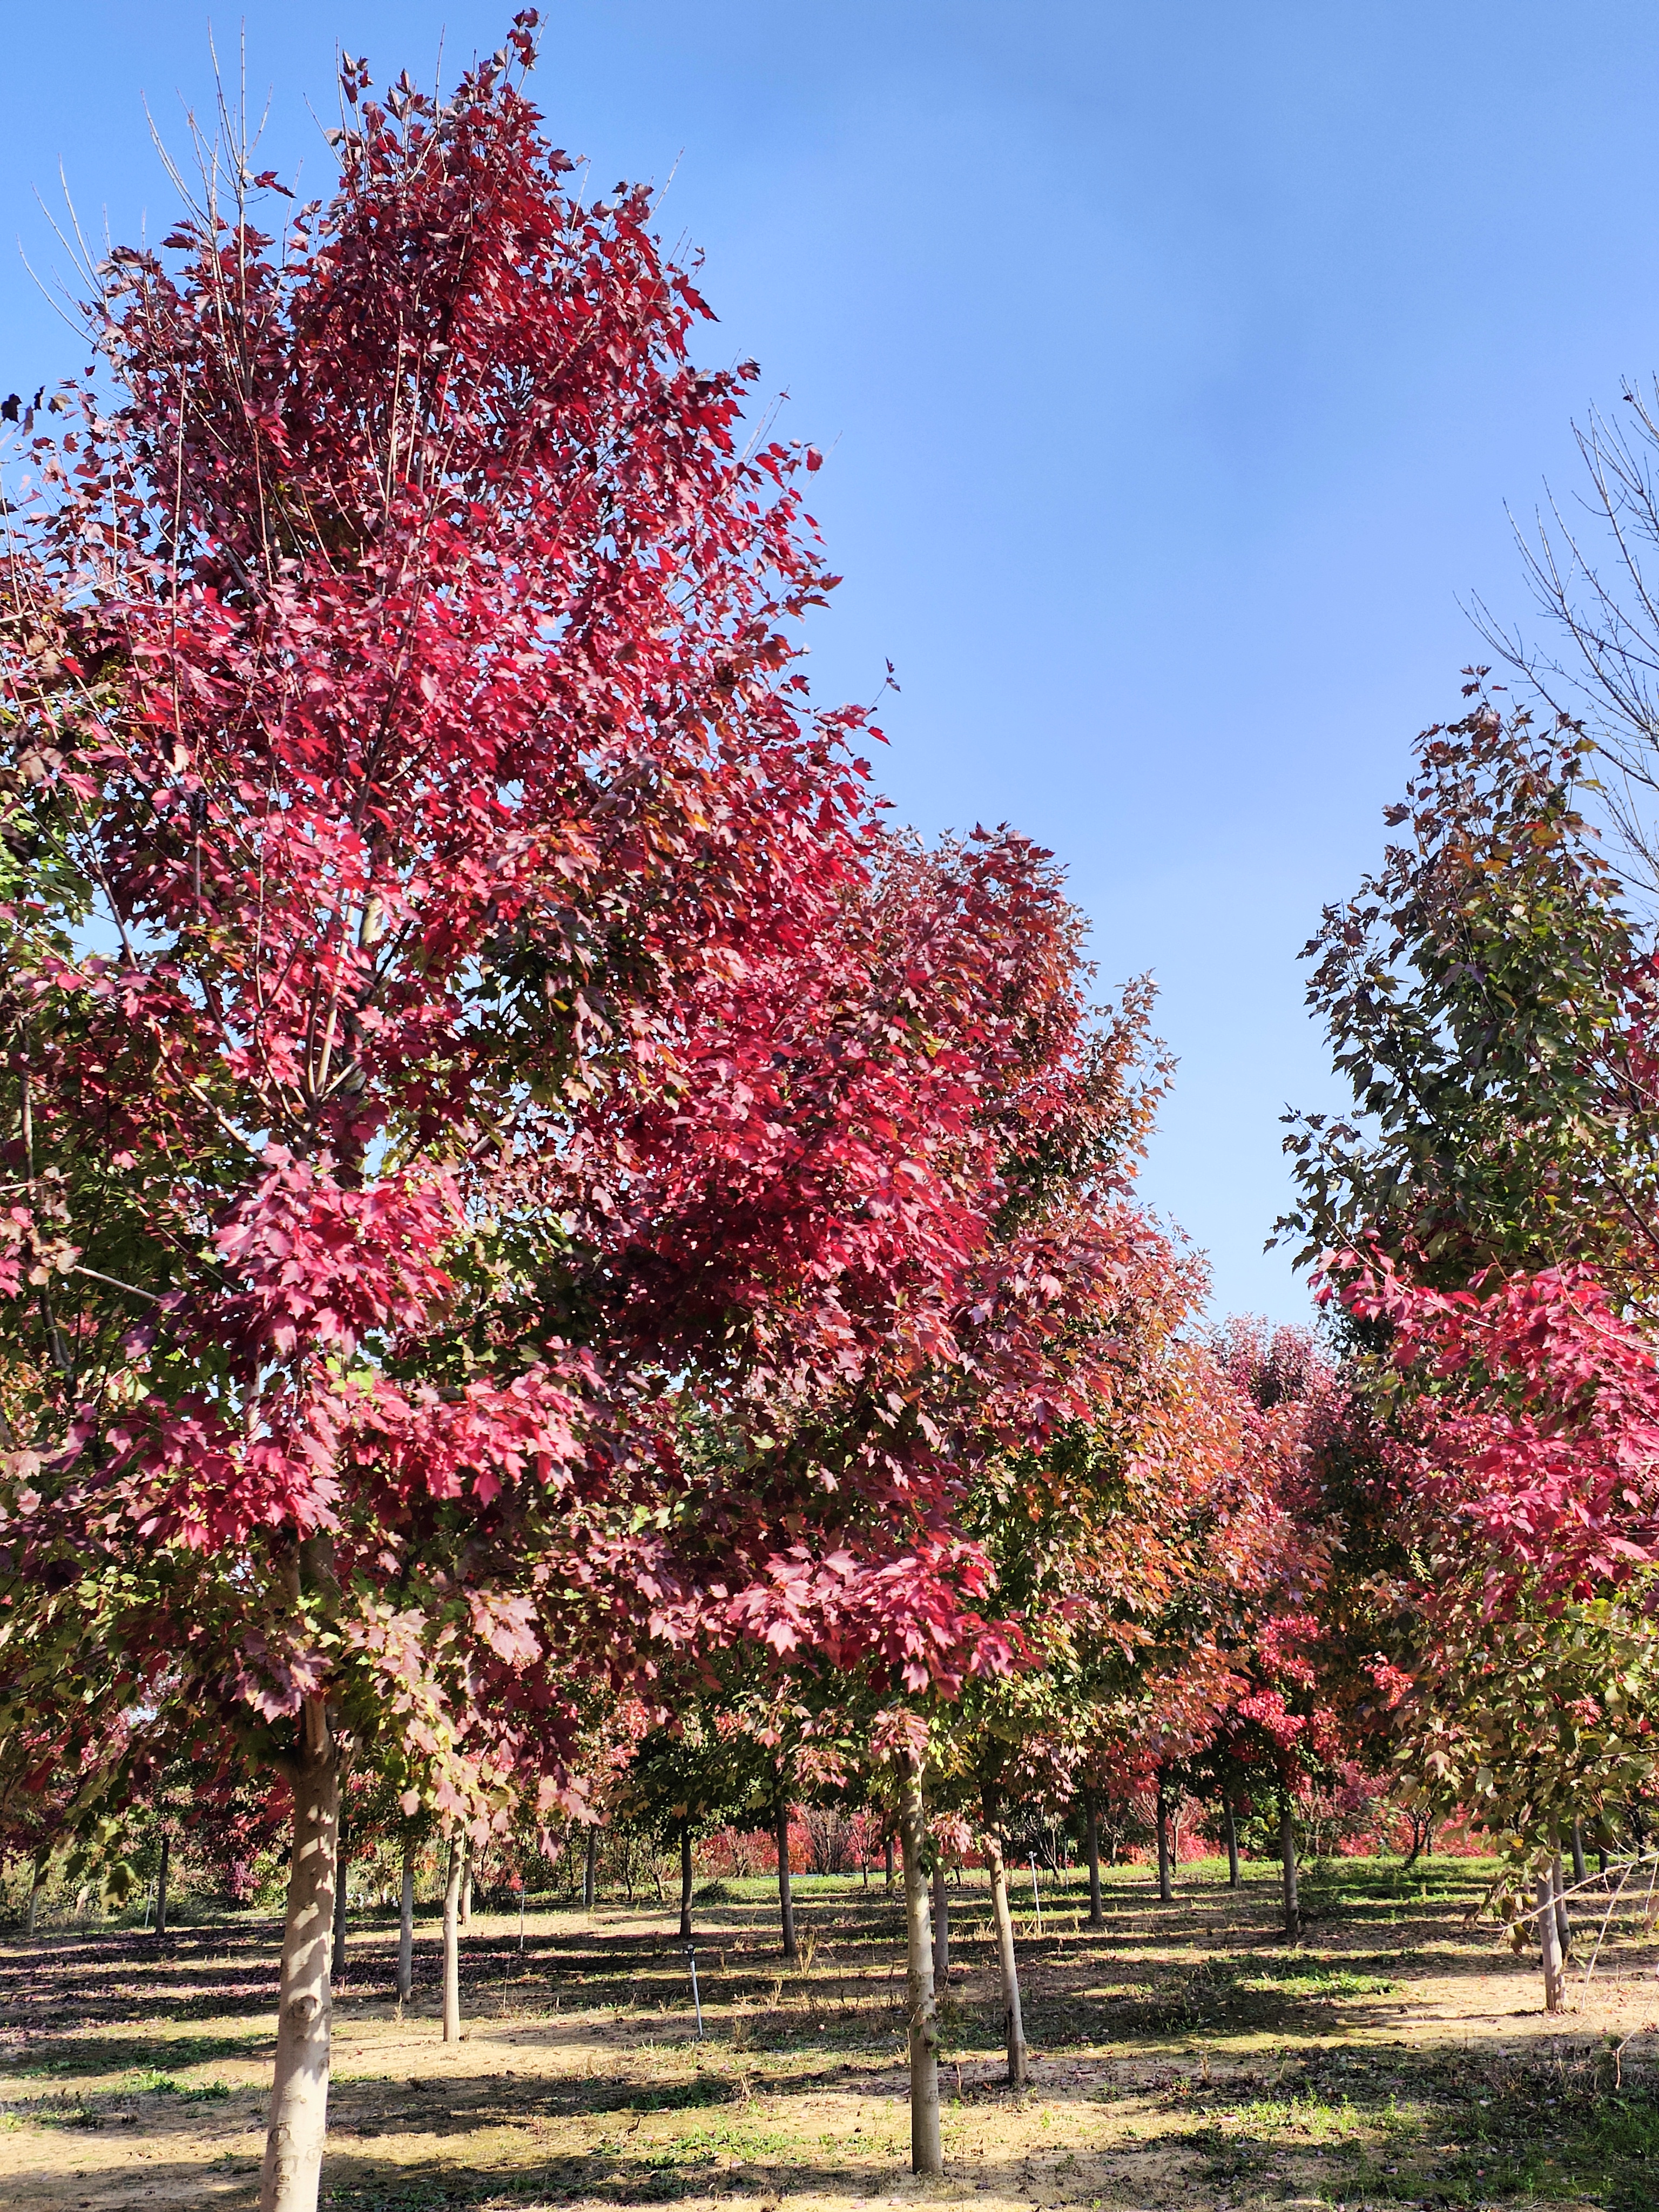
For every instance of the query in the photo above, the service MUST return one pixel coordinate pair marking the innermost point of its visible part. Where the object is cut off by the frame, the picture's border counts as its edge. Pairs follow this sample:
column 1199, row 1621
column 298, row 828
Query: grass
column 1431, row 2131
column 106, row 2054
column 1185, row 2056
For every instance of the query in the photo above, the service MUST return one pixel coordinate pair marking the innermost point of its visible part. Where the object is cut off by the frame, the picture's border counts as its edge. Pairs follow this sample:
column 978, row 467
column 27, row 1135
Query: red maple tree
column 513, row 1167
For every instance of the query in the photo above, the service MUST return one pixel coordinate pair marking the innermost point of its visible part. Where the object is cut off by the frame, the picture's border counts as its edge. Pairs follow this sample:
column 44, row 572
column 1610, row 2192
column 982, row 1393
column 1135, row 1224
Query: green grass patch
column 730, row 2140
column 133, row 2055
column 681, row 2096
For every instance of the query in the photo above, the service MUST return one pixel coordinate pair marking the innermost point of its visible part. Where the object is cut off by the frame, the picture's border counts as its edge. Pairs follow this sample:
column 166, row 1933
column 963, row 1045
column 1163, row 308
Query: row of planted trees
column 559, row 1269
column 524, row 1195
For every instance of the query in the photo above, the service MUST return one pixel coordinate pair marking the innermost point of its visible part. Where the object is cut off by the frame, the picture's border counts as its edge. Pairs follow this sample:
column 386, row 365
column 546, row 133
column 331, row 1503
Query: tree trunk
column 590, row 1869
column 452, row 1941
column 1287, row 1853
column 466, row 1882
column 36, row 1884
column 1563, row 1922
column 406, row 1926
column 161, row 1886
column 786, row 1901
column 336, row 1962
column 299, row 2097
column 1580, row 1871
column 1232, row 1842
column 941, row 1927
column 1092, row 1822
column 1007, row 1962
column 887, row 1861
column 686, row 1885
column 926, row 2152
column 1165, row 1894
column 1549, row 1940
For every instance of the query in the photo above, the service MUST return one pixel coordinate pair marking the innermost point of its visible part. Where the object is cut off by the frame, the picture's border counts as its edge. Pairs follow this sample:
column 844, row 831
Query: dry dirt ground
column 1186, row 2057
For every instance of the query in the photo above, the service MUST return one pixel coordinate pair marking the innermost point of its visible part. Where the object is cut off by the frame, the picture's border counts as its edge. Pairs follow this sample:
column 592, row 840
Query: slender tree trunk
column 1580, row 1871
column 466, row 1882
column 37, row 1882
column 686, row 1885
column 1419, row 1828
column 336, row 1962
column 786, row 1900
column 1232, row 1841
column 590, row 1869
column 299, row 2097
column 1008, row 1961
column 162, row 1885
column 926, row 2152
column 1563, row 1922
column 452, row 1940
column 1165, row 1893
column 1549, row 1940
column 941, row 1927
column 1287, row 1854
column 887, row 1861
column 406, row 1926
column 1091, row 1823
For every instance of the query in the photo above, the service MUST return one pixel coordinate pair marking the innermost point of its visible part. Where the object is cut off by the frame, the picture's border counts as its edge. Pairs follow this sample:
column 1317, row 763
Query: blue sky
column 1175, row 365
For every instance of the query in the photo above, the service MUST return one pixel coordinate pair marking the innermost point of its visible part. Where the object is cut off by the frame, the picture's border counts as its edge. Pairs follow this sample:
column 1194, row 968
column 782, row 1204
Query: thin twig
column 1607, row 1919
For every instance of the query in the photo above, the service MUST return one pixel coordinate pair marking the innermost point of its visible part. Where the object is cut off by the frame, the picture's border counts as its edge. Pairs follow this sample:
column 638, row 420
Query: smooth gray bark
column 1091, row 1829
column 1287, row 1855
column 336, row 1962
column 406, row 1926
column 1549, row 1940
column 1007, row 1960
column 299, row 2097
column 452, row 1940
column 926, row 2149
column 941, row 1927
column 1232, row 1842
column 1580, row 1871
column 786, row 1898
column 1165, row 1893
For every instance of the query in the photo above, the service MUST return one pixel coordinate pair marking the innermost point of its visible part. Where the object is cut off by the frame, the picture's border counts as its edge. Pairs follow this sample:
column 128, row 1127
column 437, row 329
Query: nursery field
column 1185, row 2057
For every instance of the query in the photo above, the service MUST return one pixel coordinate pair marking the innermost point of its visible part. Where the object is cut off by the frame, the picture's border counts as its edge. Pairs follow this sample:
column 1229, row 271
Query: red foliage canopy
column 1534, row 1422
column 512, row 1161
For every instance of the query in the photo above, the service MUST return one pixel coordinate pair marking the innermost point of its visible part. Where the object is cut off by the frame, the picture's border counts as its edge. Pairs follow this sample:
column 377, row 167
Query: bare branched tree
column 1595, row 576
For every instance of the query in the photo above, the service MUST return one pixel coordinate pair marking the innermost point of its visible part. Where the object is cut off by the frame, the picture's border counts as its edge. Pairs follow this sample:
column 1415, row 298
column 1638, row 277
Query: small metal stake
column 1036, row 1899
column 691, row 1961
